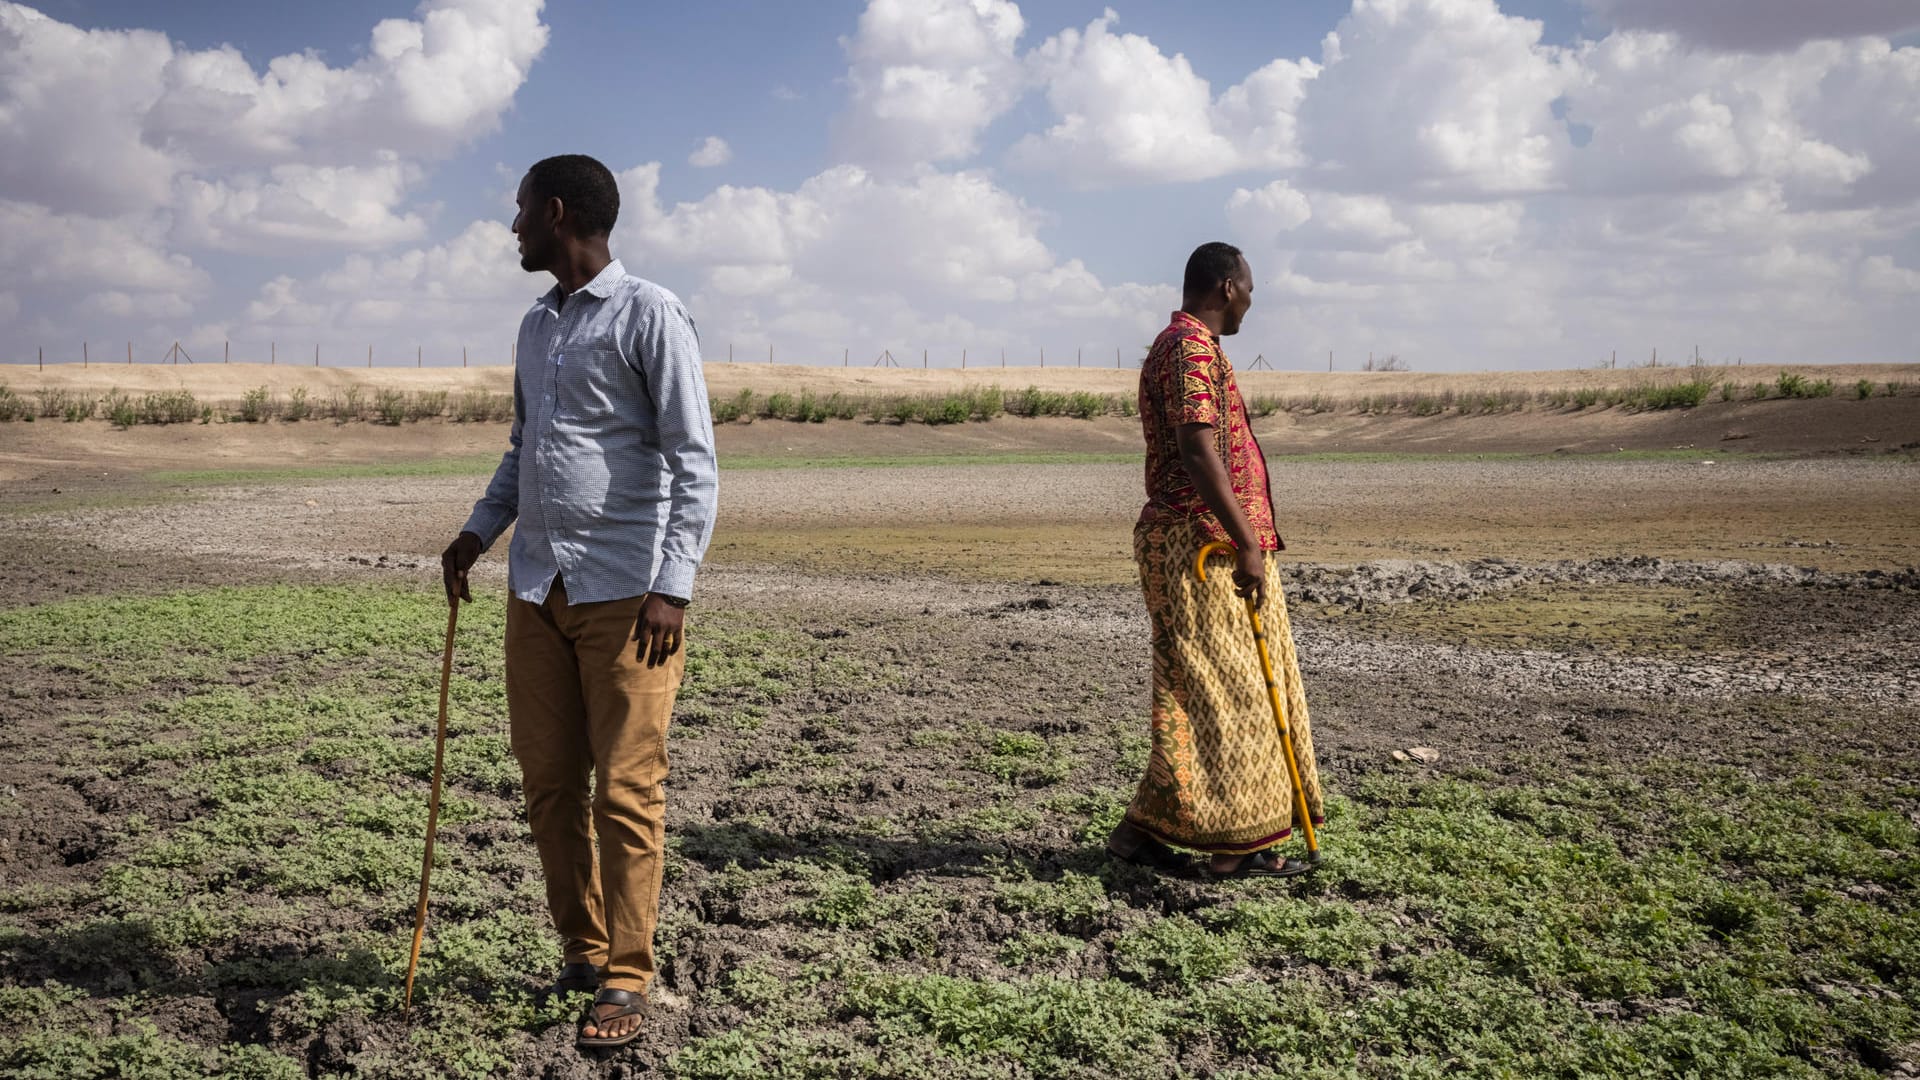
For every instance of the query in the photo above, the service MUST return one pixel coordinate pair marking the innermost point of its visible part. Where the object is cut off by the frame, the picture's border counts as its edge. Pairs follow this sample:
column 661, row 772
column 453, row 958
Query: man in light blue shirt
column 611, row 475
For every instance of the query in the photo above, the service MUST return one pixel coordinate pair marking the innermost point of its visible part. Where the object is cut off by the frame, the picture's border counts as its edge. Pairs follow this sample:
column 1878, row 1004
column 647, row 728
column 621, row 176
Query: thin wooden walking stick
column 1273, row 697
column 433, row 802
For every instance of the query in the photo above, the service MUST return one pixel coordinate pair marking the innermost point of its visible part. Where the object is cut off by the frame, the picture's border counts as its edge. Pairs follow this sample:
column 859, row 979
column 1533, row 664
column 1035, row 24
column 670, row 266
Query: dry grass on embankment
column 130, row 394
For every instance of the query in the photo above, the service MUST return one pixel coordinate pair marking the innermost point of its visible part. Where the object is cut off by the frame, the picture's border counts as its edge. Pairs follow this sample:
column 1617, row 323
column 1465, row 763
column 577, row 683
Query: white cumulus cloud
column 1761, row 25
column 856, row 257
column 1128, row 113
column 101, row 121
column 121, row 151
column 926, row 77
column 1442, row 98
column 424, row 87
column 1439, row 182
column 331, row 206
column 468, row 291
column 1665, row 118
column 712, row 151
column 61, row 252
column 72, row 107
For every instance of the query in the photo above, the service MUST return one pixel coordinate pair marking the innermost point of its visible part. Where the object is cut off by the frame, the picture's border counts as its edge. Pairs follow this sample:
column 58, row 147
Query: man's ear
column 556, row 212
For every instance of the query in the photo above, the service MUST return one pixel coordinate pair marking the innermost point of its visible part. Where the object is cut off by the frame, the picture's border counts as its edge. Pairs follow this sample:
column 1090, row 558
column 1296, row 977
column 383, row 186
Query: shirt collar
column 1186, row 319
column 601, row 285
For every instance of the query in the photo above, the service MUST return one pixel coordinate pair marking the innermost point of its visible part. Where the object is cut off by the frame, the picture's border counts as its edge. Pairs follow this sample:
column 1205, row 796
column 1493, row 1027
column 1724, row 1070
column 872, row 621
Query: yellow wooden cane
column 1221, row 547
column 433, row 802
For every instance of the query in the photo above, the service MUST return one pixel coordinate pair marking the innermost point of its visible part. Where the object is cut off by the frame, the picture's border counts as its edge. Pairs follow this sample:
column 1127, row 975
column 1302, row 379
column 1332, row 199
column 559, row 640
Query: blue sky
column 1463, row 183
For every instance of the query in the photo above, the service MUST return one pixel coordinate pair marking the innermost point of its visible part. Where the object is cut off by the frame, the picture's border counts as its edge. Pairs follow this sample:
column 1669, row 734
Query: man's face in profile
column 1240, row 300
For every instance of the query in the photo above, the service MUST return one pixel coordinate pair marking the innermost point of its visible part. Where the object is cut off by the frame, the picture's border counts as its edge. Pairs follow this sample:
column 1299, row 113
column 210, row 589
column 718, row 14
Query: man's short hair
column 584, row 186
column 1209, row 265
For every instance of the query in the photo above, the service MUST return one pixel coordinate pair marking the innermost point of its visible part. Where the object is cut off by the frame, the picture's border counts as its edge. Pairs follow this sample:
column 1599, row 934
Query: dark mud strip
column 1401, row 581
column 40, row 571
column 1846, row 638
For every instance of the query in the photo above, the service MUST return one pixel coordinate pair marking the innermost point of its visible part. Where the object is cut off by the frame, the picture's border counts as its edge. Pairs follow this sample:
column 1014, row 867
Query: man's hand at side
column 658, row 629
column 1250, row 575
column 456, row 561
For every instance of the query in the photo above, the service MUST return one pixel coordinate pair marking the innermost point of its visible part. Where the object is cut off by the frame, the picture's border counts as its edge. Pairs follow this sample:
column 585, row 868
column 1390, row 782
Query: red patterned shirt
column 1187, row 379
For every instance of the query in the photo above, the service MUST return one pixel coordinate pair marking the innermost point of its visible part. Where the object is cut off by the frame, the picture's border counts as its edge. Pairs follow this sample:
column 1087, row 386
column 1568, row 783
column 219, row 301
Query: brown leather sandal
column 630, row 1004
column 1155, row 856
column 578, row 977
column 1264, row 864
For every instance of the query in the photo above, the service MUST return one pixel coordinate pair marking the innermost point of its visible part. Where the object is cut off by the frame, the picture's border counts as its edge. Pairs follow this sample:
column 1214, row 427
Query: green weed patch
column 268, row 751
column 256, row 763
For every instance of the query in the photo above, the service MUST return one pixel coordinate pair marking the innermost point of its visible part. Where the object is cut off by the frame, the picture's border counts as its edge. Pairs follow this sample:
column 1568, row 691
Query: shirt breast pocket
column 588, row 381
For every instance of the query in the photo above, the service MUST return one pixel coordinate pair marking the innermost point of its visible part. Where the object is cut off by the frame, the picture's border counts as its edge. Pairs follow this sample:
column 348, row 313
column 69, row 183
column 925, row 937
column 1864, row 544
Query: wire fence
column 176, row 353
column 965, row 359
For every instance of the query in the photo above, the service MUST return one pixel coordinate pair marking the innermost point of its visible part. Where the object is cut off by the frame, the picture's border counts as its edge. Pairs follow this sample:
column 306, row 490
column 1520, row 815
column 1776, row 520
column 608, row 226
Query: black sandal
column 630, row 1004
column 578, row 977
column 1156, row 856
column 1265, row 864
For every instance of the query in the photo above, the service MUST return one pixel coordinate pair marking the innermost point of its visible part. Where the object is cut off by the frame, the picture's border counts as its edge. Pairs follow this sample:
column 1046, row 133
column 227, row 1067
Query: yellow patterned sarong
column 1217, row 776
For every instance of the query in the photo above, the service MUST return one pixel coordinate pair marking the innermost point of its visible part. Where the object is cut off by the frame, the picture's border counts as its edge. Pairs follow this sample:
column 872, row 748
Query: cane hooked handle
column 1216, row 547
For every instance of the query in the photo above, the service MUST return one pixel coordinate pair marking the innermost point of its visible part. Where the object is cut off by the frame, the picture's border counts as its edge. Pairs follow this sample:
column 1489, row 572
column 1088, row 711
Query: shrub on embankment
column 394, row 407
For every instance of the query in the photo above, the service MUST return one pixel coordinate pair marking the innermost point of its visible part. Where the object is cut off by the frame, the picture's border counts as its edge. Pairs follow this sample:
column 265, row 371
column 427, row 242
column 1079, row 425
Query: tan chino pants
column 582, row 704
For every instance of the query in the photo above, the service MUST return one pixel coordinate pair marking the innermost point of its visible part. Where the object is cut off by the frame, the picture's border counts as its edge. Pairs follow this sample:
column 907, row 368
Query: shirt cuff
column 487, row 525
column 675, row 578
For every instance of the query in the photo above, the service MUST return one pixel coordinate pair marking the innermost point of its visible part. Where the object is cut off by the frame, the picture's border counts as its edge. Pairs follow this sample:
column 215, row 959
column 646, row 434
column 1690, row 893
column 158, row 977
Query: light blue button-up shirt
column 611, row 471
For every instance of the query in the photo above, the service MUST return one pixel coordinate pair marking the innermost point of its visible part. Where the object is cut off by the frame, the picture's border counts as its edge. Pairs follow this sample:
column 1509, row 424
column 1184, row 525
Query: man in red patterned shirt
column 1217, row 778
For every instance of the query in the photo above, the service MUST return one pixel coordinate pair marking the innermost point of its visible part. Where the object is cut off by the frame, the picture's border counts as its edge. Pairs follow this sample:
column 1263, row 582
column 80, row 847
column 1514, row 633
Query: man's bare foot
column 1226, row 864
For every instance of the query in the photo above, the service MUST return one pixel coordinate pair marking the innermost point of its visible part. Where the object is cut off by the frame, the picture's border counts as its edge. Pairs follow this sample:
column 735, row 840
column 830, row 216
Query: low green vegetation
column 1022, row 758
column 475, row 406
column 293, row 728
column 905, row 460
column 13, row 406
column 1667, row 923
column 254, row 765
column 165, row 407
column 1794, row 385
column 806, row 407
column 483, row 464
column 477, row 465
column 1382, row 457
column 1623, row 619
